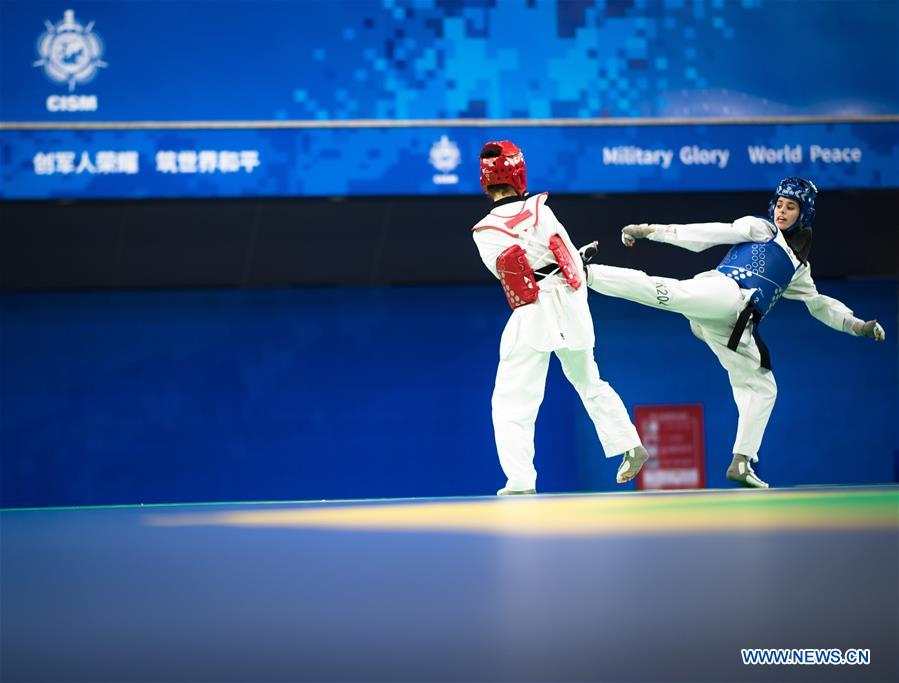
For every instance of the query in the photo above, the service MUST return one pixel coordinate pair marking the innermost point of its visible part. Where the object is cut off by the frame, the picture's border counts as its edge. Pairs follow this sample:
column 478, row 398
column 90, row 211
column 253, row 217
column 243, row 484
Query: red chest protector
column 570, row 270
column 517, row 277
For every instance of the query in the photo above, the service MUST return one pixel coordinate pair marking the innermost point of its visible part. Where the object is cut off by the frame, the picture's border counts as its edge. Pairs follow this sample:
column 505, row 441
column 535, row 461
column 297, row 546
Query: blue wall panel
column 341, row 393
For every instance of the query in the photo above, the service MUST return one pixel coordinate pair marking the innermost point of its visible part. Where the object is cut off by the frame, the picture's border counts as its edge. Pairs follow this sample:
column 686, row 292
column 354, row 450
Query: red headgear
column 502, row 163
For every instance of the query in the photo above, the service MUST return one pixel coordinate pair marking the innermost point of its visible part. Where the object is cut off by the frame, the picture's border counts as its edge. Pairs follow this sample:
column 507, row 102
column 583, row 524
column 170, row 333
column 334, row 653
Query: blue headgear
column 800, row 190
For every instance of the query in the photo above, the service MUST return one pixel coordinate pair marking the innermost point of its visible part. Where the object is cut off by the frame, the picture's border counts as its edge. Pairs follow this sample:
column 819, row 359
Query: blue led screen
column 231, row 69
column 433, row 161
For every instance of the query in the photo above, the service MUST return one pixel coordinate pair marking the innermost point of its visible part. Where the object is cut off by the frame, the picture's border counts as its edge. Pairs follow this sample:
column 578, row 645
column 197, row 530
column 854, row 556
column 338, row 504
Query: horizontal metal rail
column 439, row 123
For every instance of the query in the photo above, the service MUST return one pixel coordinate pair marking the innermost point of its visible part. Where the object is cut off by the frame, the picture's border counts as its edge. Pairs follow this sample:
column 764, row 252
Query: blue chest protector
column 763, row 266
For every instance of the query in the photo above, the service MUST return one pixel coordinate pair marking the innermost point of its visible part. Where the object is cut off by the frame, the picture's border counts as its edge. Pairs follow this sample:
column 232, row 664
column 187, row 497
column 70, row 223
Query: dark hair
column 490, row 151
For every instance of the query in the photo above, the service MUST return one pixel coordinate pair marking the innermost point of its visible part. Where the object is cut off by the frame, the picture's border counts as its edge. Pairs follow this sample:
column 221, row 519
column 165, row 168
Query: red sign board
column 674, row 437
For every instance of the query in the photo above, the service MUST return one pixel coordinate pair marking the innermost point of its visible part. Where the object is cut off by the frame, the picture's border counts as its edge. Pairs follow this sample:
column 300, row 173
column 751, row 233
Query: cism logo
column 72, row 103
column 70, row 52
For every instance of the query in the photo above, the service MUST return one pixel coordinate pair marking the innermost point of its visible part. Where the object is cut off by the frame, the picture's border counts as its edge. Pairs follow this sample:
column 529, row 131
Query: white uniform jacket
column 700, row 236
column 560, row 318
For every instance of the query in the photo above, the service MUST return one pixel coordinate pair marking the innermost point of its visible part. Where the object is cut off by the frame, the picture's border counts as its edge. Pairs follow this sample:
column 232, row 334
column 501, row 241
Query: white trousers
column 711, row 302
column 520, row 382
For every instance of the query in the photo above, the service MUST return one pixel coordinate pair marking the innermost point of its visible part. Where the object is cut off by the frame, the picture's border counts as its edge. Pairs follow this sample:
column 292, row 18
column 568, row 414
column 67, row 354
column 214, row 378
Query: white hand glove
column 631, row 233
column 871, row 328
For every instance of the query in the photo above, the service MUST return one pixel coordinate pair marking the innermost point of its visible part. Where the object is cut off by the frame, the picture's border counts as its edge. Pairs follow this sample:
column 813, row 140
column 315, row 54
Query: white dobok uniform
column 560, row 322
column 712, row 301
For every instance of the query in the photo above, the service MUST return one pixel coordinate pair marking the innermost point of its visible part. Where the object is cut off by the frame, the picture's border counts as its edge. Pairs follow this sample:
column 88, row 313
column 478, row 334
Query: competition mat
column 581, row 587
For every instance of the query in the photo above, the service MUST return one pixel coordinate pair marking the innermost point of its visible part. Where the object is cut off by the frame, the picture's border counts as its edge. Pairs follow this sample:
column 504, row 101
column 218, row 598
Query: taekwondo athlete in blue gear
column 725, row 306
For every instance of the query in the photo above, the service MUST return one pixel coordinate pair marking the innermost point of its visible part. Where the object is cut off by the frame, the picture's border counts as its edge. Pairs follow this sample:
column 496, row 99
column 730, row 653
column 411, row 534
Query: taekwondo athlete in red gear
column 769, row 259
column 523, row 244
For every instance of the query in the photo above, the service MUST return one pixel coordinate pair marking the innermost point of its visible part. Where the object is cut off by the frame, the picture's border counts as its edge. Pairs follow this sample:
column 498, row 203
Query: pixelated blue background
column 435, row 59
column 330, row 62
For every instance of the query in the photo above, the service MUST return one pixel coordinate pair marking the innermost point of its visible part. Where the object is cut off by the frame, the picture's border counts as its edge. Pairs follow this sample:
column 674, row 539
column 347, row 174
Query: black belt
column 750, row 312
column 545, row 271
